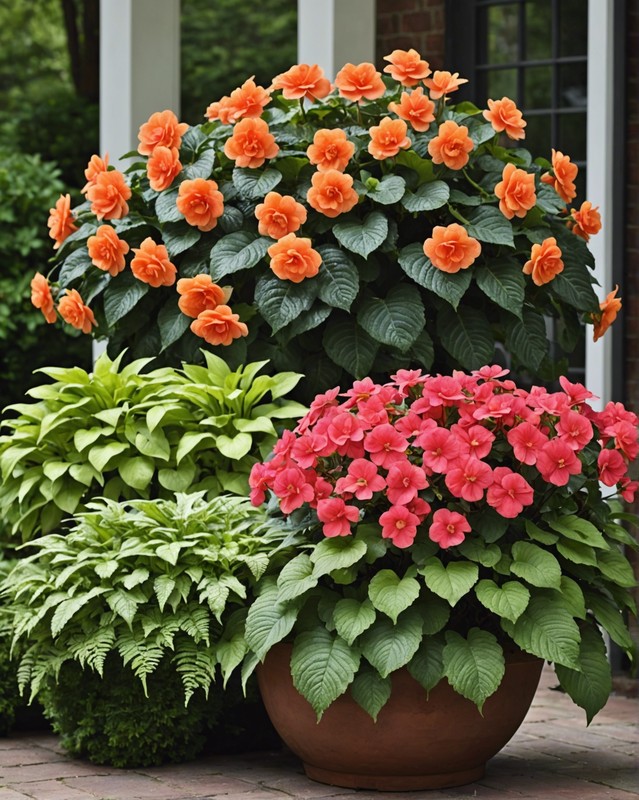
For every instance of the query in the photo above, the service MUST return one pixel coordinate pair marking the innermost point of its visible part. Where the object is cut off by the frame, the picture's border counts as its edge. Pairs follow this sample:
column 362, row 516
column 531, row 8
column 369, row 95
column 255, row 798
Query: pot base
column 394, row 783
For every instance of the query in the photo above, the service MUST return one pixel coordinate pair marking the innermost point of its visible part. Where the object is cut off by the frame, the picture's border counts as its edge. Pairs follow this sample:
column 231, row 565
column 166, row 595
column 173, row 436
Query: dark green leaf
column 165, row 207
column 527, row 340
column 179, row 236
column 280, row 302
column 237, row 251
column 428, row 197
column 389, row 190
column 255, row 184
column 467, row 336
column 395, row 320
column 350, row 346
column 362, row 236
column 450, row 287
column 337, row 280
column 502, row 280
column 172, row 323
column 121, row 295
column 488, row 224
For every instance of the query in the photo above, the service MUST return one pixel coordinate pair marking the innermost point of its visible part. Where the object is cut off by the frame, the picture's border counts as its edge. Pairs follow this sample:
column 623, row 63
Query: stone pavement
column 552, row 757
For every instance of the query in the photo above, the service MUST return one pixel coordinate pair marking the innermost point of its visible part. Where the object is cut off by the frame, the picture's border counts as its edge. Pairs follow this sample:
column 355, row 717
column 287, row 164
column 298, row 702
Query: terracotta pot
column 418, row 742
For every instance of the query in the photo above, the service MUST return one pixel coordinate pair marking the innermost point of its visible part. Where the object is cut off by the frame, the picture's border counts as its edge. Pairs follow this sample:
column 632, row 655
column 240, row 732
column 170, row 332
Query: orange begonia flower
column 163, row 167
column 587, row 221
column 60, row 220
column 220, row 109
column 443, row 83
column 201, row 294
column 504, row 115
column 247, row 101
column 162, row 129
column 200, row 202
column 416, row 108
column 293, row 258
column 73, row 311
column 516, row 192
column 359, row 81
column 451, row 146
column 564, row 177
column 407, row 67
column 42, row 298
column 545, row 262
column 108, row 195
column 107, row 251
column 219, row 326
column 608, row 313
column 330, row 149
column 152, row 265
column 251, row 143
column 279, row 215
column 451, row 248
column 332, row 193
column 388, row 138
column 303, row 80
column 95, row 166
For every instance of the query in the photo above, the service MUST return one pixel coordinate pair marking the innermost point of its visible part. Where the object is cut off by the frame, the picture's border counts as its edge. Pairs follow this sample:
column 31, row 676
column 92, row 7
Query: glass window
column 538, row 29
column 501, row 26
column 501, row 83
column 537, row 87
column 573, row 85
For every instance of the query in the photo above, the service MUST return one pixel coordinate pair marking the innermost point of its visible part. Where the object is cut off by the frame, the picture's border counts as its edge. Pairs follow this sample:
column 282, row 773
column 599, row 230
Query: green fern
column 195, row 666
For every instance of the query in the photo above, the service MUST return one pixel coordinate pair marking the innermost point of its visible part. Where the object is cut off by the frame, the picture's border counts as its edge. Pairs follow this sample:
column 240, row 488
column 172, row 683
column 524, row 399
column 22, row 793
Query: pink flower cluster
column 430, row 450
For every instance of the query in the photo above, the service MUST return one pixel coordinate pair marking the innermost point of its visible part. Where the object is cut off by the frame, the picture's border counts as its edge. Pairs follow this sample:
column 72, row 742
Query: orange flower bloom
column 163, row 167
column 388, row 138
column 162, row 129
column 565, row 174
column 42, row 298
column 95, row 166
column 279, row 215
column 416, row 108
column 247, row 101
column 407, row 67
column 443, row 83
column 330, row 149
column 73, row 311
column 451, row 146
column 303, row 80
column 108, row 195
column 60, row 220
column 293, row 258
column 152, row 265
column 359, row 81
column 219, row 326
column 332, row 193
column 451, row 248
column 200, row 202
column 516, row 192
column 200, row 294
column 251, row 143
column 545, row 262
column 587, row 221
column 609, row 310
column 504, row 115
column 222, row 110
column 107, row 251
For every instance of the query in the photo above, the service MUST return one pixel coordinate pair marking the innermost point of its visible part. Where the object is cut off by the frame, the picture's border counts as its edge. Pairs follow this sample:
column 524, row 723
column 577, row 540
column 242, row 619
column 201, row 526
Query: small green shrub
column 10, row 699
column 123, row 434
column 109, row 720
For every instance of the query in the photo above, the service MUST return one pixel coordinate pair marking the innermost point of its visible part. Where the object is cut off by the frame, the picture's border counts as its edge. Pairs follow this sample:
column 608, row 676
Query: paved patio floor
column 552, row 757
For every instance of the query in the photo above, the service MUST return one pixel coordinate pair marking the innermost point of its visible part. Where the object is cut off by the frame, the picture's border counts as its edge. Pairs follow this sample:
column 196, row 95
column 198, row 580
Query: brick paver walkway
column 552, row 757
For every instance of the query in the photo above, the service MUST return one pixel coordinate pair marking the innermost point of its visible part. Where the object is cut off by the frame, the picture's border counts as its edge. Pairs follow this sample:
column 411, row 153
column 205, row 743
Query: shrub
column 125, row 434
column 10, row 699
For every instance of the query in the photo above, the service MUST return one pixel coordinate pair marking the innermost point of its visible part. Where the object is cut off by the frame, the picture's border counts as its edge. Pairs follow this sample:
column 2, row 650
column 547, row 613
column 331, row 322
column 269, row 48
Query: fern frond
column 195, row 666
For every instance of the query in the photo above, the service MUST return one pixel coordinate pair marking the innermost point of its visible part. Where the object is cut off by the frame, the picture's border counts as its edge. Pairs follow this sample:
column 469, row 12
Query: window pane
column 501, row 23
column 538, row 29
column 573, row 85
column 538, row 135
column 502, row 83
column 537, row 87
column 572, row 136
column 573, row 28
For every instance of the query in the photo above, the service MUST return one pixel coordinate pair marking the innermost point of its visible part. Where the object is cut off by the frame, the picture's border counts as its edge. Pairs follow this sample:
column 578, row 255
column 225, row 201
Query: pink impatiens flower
column 557, row 461
column 612, row 467
column 404, row 481
column 308, row 448
column 259, row 483
column 440, row 447
column 526, row 441
column 469, row 479
column 574, row 429
column 400, row 525
column 509, row 493
column 385, row 445
column 292, row 489
column 362, row 480
column 474, row 439
column 449, row 528
column 336, row 516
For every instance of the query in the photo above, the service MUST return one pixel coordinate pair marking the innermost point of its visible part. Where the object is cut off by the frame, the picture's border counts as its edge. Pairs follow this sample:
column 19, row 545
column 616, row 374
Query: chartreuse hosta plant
column 449, row 519
column 361, row 227
column 120, row 432
column 148, row 580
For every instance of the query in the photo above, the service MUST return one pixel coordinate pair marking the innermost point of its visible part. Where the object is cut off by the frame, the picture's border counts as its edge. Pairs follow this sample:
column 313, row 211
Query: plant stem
column 457, row 215
column 482, row 191
column 302, row 109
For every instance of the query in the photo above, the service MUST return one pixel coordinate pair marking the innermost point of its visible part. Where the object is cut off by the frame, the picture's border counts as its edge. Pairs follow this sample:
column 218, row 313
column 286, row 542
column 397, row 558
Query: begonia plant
column 449, row 519
column 356, row 227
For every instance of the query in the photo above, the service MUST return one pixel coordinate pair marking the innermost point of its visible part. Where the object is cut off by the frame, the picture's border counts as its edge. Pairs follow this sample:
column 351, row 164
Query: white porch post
column 139, row 73
column 139, row 68
column 333, row 32
column 600, row 178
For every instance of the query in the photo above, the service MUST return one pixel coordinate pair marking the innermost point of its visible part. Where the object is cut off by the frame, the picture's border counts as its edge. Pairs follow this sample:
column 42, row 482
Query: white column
column 139, row 68
column 600, row 179
column 333, row 32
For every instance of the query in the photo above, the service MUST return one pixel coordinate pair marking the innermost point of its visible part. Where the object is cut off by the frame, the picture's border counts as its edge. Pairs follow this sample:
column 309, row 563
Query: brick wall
column 402, row 24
